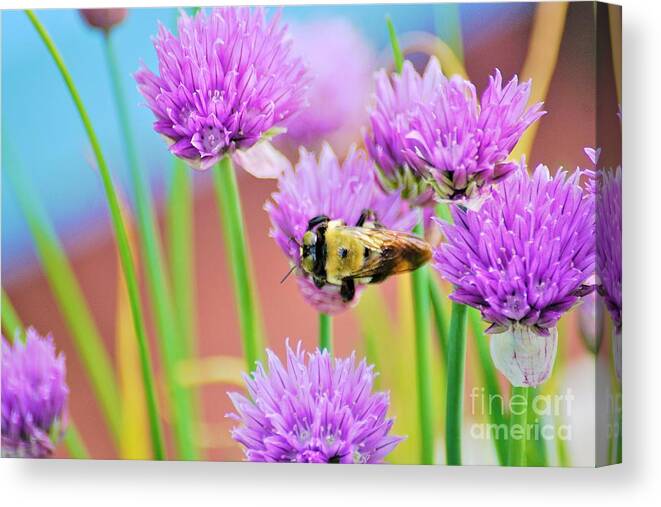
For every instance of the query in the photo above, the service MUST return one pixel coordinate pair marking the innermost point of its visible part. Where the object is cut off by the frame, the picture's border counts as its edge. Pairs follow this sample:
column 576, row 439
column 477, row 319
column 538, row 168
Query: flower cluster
column 433, row 131
column 226, row 82
column 461, row 144
column 34, row 397
column 397, row 101
column 323, row 186
column 315, row 410
column 523, row 259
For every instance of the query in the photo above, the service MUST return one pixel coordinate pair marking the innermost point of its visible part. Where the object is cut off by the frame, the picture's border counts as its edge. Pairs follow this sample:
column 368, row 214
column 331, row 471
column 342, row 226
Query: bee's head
column 309, row 251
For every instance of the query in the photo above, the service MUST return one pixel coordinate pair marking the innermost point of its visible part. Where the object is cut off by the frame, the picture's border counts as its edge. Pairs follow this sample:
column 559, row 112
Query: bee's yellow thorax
column 344, row 254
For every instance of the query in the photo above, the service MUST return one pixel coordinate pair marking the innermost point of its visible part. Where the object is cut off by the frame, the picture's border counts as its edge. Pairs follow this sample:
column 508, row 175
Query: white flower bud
column 523, row 356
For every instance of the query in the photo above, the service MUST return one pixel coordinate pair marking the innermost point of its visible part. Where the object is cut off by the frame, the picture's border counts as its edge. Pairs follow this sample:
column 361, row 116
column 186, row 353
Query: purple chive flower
column 340, row 191
column 609, row 241
column 228, row 80
column 397, row 100
column 313, row 409
column 336, row 110
column 609, row 253
column 461, row 145
column 523, row 259
column 34, row 397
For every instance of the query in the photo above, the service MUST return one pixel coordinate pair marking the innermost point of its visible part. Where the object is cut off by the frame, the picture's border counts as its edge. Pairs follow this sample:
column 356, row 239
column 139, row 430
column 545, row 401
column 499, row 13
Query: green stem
column 420, row 288
column 562, row 452
column 121, row 238
column 396, row 51
column 160, row 296
column 536, row 452
column 74, row 442
column 518, row 434
column 490, row 379
column 420, row 285
column 236, row 251
column 69, row 298
column 180, row 241
column 11, row 324
column 440, row 320
column 326, row 332
column 454, row 407
column 618, row 450
column 18, row 330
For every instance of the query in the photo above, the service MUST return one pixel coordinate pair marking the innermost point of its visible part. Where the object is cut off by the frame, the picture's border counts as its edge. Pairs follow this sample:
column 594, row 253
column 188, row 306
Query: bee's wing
column 390, row 252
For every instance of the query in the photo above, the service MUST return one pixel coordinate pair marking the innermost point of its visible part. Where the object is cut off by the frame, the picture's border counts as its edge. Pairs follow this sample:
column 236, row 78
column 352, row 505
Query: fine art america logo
column 544, row 413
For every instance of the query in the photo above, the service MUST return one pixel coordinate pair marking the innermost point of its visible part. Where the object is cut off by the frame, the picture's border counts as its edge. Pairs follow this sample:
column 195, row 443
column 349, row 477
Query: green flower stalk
column 490, row 380
column 420, row 288
column 231, row 216
column 11, row 324
column 68, row 297
column 172, row 342
column 326, row 332
column 440, row 322
column 180, row 230
column 74, row 442
column 121, row 238
column 397, row 55
column 454, row 408
column 181, row 254
column 518, row 434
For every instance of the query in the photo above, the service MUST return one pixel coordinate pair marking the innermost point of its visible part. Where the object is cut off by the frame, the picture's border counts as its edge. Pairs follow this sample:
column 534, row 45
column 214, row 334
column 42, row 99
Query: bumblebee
column 337, row 254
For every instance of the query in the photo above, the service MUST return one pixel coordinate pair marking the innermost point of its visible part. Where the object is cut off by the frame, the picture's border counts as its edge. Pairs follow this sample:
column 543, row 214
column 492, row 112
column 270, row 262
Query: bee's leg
column 347, row 289
column 368, row 219
column 319, row 219
column 364, row 215
column 318, row 282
